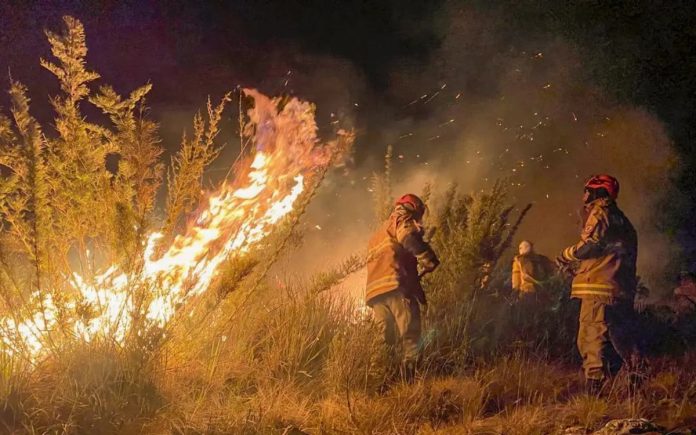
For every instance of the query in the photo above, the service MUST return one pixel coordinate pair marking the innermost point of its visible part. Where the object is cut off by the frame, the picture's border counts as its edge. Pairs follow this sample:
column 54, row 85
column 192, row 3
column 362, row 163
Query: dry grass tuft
column 586, row 410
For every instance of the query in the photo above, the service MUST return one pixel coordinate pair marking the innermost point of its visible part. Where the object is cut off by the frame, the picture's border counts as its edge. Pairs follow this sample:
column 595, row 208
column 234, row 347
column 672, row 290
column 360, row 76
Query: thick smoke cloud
column 489, row 105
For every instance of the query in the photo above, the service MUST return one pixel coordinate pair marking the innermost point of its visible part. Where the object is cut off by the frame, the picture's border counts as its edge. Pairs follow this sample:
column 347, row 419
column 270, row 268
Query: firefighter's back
column 610, row 274
column 382, row 264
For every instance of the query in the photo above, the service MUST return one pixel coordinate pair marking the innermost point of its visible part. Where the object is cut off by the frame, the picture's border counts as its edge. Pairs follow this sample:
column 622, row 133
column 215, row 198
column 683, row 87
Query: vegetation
column 254, row 357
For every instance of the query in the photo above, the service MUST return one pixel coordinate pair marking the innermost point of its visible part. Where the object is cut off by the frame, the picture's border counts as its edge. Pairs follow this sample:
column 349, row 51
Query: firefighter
column 685, row 294
column 397, row 258
column 604, row 267
column 531, row 298
column 530, row 270
column 684, row 306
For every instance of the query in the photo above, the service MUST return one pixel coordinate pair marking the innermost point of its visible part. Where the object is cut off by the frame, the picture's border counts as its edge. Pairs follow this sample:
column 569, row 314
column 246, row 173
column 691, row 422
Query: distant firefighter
column 685, row 294
column 530, row 270
column 397, row 259
column 605, row 281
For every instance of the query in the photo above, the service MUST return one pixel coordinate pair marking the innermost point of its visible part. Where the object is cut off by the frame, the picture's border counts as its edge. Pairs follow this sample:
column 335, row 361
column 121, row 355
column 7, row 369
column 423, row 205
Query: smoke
column 490, row 105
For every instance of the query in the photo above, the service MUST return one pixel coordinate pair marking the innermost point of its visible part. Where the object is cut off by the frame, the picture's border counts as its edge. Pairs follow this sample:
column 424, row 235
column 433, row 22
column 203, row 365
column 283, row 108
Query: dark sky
column 345, row 55
column 642, row 51
column 191, row 49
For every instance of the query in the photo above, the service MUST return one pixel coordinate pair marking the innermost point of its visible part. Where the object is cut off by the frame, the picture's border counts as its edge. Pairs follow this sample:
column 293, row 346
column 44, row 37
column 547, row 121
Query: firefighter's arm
column 516, row 275
column 410, row 236
column 591, row 242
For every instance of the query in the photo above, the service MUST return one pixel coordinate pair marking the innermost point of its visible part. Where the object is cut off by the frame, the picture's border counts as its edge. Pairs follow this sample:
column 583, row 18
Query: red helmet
column 605, row 181
column 413, row 203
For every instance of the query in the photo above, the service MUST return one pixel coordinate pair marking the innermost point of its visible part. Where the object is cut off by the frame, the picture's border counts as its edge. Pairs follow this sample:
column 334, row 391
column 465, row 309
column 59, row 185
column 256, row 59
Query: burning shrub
column 65, row 210
column 59, row 197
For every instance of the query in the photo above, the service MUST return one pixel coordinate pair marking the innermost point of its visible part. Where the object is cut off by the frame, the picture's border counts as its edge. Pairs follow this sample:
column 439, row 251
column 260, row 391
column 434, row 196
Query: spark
column 432, row 97
column 422, row 97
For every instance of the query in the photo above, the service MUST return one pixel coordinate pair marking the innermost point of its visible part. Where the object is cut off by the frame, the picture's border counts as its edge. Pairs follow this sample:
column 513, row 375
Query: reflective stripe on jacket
column 606, row 253
column 394, row 253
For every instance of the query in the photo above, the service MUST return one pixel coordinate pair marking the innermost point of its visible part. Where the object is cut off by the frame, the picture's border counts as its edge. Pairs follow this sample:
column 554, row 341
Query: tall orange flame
column 237, row 216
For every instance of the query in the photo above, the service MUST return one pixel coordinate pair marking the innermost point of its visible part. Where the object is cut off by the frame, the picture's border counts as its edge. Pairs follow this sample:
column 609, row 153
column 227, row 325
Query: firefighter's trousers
column 398, row 317
column 607, row 337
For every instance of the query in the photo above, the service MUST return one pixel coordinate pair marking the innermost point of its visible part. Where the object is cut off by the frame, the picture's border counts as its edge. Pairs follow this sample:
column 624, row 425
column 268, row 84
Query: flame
column 236, row 217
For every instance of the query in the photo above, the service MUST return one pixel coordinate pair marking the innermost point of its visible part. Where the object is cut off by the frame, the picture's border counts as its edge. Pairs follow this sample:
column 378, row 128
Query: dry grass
column 268, row 381
column 291, row 361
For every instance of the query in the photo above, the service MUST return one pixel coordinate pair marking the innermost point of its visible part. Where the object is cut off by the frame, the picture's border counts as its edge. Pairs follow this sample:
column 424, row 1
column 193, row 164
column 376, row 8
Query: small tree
column 60, row 203
column 139, row 172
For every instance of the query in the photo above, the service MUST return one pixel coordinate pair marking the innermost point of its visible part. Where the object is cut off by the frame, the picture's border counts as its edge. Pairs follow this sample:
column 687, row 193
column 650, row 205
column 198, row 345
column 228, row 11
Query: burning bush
column 82, row 268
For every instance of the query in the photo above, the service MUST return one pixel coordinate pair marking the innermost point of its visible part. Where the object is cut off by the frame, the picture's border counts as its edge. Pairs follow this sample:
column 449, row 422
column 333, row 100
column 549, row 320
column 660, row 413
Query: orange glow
column 238, row 215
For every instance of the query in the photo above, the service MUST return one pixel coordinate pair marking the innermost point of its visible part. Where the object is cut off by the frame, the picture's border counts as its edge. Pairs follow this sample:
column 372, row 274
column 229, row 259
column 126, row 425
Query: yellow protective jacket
column 529, row 271
column 606, row 254
column 395, row 252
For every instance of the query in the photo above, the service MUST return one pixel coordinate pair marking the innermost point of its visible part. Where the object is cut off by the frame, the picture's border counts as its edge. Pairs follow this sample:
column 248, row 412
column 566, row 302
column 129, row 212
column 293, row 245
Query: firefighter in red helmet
column 604, row 267
column 397, row 259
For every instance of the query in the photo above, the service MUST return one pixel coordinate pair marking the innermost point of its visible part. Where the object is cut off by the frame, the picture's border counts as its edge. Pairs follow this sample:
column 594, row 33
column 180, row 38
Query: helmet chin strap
column 594, row 194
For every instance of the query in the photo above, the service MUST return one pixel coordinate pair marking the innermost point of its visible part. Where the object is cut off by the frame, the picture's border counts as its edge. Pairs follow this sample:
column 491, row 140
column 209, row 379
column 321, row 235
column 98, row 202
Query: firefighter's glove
column 565, row 266
column 413, row 243
column 427, row 262
column 424, row 270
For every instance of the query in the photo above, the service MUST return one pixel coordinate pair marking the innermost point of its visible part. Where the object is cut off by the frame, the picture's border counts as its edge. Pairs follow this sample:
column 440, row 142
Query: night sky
column 345, row 55
column 643, row 52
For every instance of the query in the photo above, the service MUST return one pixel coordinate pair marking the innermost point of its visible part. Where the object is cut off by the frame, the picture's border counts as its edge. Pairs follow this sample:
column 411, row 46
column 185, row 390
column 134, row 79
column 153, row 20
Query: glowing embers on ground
column 238, row 215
